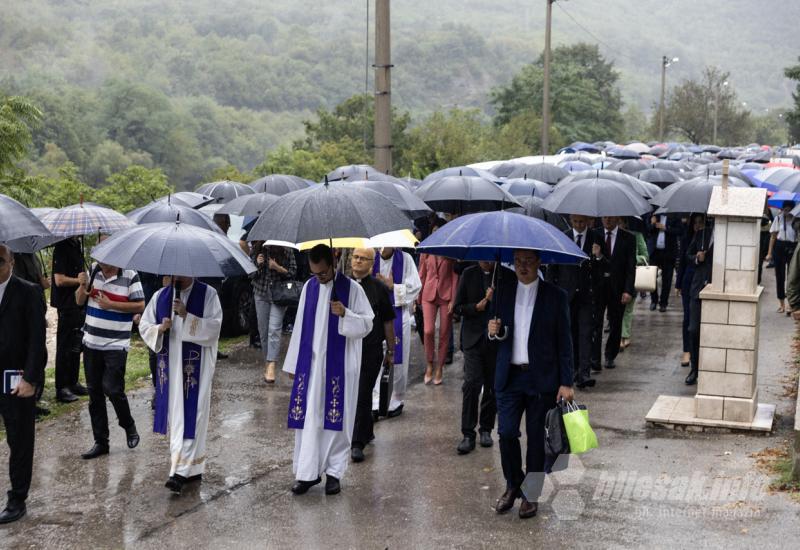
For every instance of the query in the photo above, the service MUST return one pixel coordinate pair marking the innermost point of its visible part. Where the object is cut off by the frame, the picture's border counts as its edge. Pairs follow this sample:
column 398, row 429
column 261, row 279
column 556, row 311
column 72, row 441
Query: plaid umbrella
column 84, row 219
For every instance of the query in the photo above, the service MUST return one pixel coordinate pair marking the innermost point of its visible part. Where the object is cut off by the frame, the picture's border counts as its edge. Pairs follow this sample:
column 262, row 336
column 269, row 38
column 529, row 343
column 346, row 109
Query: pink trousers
column 429, row 311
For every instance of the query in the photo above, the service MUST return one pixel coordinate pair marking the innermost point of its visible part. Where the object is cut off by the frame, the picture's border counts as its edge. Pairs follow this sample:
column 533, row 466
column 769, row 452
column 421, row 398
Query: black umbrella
column 326, row 212
column 672, row 165
column 279, row 184
column 249, row 205
column 354, row 172
column 519, row 187
column 464, row 194
column 460, row 171
column 160, row 212
column 623, row 153
column 596, row 198
column 690, row 195
column 17, row 222
column 548, row 173
column 401, row 197
column 225, row 191
column 187, row 198
column 630, row 167
column 659, row 177
column 642, row 188
column 532, row 206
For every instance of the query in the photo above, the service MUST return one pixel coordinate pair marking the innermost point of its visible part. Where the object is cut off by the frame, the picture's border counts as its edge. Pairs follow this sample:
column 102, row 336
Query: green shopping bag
column 579, row 432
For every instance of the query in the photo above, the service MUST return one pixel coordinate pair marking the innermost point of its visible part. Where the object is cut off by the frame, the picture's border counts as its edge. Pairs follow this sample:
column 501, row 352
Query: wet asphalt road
column 414, row 491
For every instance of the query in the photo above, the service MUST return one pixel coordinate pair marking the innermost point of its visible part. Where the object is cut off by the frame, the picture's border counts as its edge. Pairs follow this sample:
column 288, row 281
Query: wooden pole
column 383, row 88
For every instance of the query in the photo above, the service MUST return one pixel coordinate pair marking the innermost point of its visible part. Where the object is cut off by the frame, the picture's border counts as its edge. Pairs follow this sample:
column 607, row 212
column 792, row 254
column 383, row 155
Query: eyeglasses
column 358, row 258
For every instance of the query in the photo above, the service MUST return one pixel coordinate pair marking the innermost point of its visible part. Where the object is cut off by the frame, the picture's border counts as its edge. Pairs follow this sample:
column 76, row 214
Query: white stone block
column 740, row 361
column 725, row 384
column 712, row 359
column 727, row 336
column 748, row 258
column 740, row 282
column 709, row 406
column 732, row 257
column 740, row 410
column 741, row 233
column 742, row 313
column 714, row 311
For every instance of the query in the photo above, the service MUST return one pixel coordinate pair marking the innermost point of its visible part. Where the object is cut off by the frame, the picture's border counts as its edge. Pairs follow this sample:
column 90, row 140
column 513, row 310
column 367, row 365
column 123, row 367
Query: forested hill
column 234, row 78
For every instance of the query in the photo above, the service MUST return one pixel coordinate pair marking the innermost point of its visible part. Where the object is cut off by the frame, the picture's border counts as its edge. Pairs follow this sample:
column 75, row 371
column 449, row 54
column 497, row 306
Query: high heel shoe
column 685, row 359
column 428, row 375
column 437, row 379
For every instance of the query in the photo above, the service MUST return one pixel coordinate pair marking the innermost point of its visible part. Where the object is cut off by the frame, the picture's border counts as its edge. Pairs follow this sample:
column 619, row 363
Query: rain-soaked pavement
column 414, row 491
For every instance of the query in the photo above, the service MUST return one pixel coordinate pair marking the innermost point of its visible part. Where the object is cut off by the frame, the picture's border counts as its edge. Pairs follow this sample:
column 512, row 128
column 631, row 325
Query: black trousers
column 611, row 302
column 19, row 415
column 363, row 427
column 511, row 405
column 479, row 365
column 582, row 326
column 68, row 341
column 105, row 377
column 695, row 310
column 666, row 263
column 782, row 254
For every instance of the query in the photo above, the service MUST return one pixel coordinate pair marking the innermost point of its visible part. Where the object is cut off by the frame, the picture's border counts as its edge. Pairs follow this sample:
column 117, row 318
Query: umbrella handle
column 500, row 337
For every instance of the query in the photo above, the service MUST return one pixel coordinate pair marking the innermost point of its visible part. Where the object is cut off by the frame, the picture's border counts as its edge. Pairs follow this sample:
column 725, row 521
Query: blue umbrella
column 493, row 236
column 777, row 200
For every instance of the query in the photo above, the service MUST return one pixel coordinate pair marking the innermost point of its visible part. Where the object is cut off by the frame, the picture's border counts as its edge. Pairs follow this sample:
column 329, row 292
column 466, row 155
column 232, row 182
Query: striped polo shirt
column 105, row 329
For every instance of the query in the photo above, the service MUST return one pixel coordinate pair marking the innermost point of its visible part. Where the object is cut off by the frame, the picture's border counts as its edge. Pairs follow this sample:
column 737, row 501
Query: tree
column 313, row 164
column 134, row 187
column 18, row 116
column 690, row 110
column 585, row 98
column 793, row 116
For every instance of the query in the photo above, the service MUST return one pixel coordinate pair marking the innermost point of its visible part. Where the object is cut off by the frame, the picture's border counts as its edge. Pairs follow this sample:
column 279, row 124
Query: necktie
column 608, row 242
column 578, row 240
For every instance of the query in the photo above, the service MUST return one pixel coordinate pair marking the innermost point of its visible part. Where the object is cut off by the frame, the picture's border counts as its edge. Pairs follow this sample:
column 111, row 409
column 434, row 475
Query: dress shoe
column 506, row 502
column 79, row 389
column 596, row 367
column 662, row 309
column 588, row 383
column 527, row 509
column 41, row 412
column 66, row 396
column 466, row 446
column 486, row 439
column 175, row 483
column 357, row 454
column 691, row 380
column 221, row 355
column 449, row 359
column 375, row 416
column 132, row 436
column 192, row 479
column 95, row 451
column 12, row 513
column 302, row 487
column 610, row 364
column 653, row 306
column 332, row 485
column 397, row 412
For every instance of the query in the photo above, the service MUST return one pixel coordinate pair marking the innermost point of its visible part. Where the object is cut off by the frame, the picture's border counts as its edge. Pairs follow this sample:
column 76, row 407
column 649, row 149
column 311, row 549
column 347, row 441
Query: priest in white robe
column 396, row 269
column 324, row 358
column 183, row 331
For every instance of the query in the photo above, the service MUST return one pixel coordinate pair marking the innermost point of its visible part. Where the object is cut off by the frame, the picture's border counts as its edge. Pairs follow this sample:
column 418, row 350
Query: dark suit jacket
column 580, row 281
column 549, row 341
column 620, row 271
column 471, row 290
column 702, row 272
column 22, row 330
column 672, row 235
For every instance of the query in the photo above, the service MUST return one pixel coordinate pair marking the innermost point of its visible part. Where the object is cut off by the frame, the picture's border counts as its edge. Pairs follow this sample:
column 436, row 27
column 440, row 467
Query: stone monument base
column 671, row 411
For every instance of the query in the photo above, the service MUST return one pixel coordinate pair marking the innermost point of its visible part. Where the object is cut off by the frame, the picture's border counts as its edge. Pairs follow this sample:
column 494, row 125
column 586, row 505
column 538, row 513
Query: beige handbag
column 646, row 278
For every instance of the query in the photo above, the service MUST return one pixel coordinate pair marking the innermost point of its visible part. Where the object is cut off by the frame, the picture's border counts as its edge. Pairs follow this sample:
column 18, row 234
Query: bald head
column 6, row 263
column 361, row 262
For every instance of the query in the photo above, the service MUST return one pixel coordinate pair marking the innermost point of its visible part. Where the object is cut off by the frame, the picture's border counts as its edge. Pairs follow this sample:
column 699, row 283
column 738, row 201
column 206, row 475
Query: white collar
column 4, row 285
column 530, row 286
column 613, row 232
column 576, row 233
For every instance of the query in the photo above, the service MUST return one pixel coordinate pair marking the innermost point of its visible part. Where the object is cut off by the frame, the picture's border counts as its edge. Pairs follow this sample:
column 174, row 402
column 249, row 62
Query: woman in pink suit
column 439, row 283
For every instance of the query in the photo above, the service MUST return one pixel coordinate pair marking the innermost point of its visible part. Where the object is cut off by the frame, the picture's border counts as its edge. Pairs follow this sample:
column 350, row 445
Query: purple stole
column 190, row 359
column 397, row 278
column 334, row 359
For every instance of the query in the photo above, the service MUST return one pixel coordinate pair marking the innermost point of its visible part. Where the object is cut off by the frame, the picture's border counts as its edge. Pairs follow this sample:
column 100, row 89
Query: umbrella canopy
column 532, row 206
column 160, row 212
column 579, row 146
column 596, row 197
column 672, row 165
column 17, row 222
column 174, row 249
column 354, row 172
column 623, row 153
column 328, row 211
column 643, row 188
column 605, row 164
column 401, row 197
column 187, row 198
column 249, row 205
column 548, row 173
column 662, row 178
column 774, row 178
column 225, row 191
column 460, row 171
column 279, row 184
column 791, row 184
column 777, row 200
column 464, row 194
column 84, row 219
column 588, row 158
column 527, row 188
column 575, row 165
column 639, row 147
column 630, row 167
column 690, row 195
column 495, row 235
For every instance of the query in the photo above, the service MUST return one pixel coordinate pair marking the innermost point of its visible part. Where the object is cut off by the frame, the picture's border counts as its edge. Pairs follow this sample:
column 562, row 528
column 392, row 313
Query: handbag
column 556, row 441
column 386, row 387
column 579, row 433
column 285, row 293
column 646, row 278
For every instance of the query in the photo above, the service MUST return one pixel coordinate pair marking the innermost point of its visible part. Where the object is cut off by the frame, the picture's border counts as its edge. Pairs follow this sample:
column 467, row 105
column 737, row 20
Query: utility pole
column 665, row 62
column 716, row 109
column 383, row 88
column 546, row 87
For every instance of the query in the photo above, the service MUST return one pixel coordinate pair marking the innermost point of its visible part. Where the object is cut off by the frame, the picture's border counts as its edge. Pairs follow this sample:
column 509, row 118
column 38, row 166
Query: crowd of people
column 352, row 312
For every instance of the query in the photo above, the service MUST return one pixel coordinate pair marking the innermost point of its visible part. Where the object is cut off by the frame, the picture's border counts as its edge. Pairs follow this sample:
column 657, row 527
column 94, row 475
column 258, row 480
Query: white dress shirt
column 3, row 289
column 782, row 225
column 661, row 240
column 523, row 316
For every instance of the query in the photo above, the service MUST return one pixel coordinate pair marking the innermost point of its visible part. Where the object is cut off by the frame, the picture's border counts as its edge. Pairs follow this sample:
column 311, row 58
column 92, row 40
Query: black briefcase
column 555, row 435
column 386, row 387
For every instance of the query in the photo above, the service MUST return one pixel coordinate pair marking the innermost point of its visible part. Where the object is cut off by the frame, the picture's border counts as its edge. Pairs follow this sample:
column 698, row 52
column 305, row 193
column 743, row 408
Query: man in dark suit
column 22, row 348
column 616, row 288
column 662, row 246
column 533, row 370
column 473, row 304
column 701, row 255
column 580, row 282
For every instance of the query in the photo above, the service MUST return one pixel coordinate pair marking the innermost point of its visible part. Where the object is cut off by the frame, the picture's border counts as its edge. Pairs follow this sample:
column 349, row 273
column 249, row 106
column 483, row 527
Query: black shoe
column 653, row 306
column 79, row 389
column 192, row 479
column 466, row 446
column 596, row 367
column 588, row 383
column 66, row 396
column 527, row 509
column 375, row 416
column 691, row 380
column 610, row 364
column 332, row 485
column 302, row 487
column 397, row 412
column 449, row 360
column 662, row 309
column 41, row 412
column 486, row 439
column 175, row 483
column 95, row 451
column 221, row 355
column 357, row 454
column 12, row 513
column 132, row 436
column 506, row 501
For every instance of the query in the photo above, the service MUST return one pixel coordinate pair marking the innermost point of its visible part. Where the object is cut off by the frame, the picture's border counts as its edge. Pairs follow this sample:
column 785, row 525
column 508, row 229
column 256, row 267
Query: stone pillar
column 727, row 388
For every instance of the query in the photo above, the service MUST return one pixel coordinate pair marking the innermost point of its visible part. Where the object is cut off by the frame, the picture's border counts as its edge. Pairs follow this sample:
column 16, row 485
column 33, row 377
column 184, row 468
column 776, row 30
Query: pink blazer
column 438, row 278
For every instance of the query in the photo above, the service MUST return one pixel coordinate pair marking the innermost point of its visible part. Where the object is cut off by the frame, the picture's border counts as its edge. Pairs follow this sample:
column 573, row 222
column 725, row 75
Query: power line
column 613, row 51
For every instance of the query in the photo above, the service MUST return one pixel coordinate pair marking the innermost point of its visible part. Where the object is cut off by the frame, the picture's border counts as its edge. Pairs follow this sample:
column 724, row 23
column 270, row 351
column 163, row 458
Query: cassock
column 407, row 287
column 326, row 368
column 185, row 368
